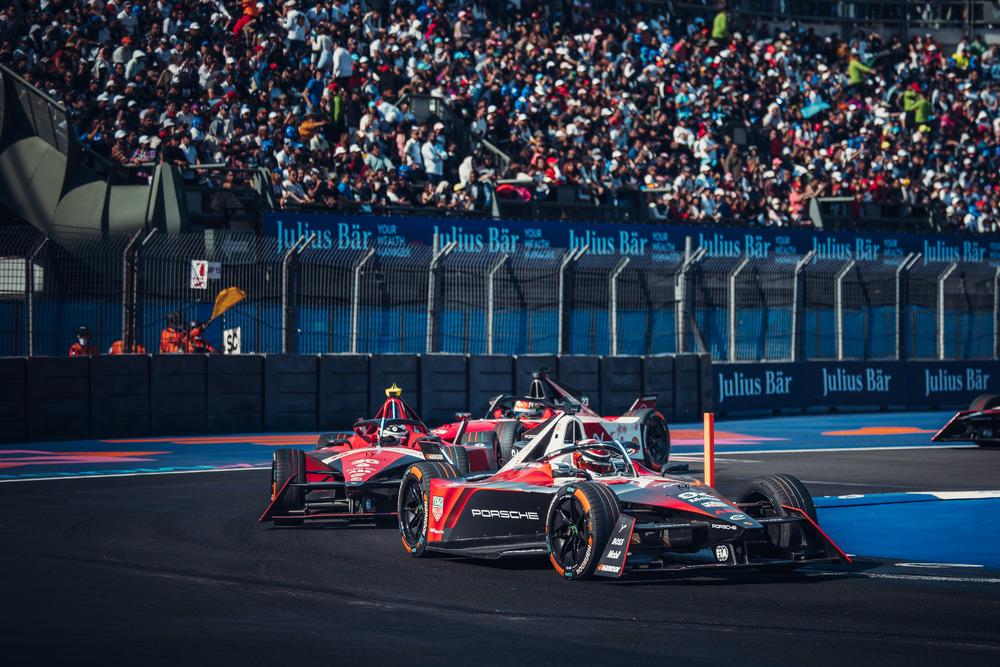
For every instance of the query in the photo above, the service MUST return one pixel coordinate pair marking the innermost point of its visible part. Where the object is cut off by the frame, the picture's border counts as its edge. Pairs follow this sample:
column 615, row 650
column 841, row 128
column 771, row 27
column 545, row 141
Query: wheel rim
column 412, row 516
column 656, row 441
column 570, row 532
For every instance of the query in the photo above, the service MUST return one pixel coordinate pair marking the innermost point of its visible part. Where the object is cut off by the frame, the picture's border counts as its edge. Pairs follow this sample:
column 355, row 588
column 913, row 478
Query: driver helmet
column 597, row 461
column 527, row 409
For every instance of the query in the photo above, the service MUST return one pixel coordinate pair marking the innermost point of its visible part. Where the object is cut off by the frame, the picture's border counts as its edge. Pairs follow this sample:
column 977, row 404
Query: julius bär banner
column 765, row 387
column 392, row 235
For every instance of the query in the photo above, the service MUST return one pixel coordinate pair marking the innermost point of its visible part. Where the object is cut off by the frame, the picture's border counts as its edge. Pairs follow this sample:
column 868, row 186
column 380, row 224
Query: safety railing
column 309, row 297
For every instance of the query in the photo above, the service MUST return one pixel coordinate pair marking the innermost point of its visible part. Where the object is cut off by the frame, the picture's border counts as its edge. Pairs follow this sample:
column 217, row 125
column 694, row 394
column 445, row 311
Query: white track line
column 132, row 474
column 916, row 577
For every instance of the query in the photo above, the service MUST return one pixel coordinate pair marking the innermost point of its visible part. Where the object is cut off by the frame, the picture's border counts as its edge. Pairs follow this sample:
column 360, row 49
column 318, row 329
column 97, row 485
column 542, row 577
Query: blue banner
column 663, row 242
column 771, row 387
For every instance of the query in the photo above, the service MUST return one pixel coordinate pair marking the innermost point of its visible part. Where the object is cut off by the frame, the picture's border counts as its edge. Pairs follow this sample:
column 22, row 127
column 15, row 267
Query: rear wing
column 641, row 403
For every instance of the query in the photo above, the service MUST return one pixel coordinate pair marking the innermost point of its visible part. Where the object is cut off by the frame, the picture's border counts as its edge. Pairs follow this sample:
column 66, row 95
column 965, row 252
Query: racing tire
column 578, row 525
column 288, row 465
column 773, row 492
column 459, row 458
column 332, row 439
column 507, row 433
column 655, row 441
column 413, row 502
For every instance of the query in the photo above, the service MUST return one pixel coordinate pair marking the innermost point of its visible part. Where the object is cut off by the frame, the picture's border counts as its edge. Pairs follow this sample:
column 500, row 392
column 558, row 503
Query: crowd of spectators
column 716, row 117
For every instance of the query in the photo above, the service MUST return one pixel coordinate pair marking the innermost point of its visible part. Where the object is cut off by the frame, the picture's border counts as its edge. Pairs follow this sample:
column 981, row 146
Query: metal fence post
column 731, row 298
column 571, row 256
column 129, row 280
column 356, row 296
column 489, row 301
column 29, row 295
column 941, row 353
column 900, row 318
column 838, row 305
column 797, row 309
column 613, row 306
column 432, row 291
column 681, row 290
column 289, row 275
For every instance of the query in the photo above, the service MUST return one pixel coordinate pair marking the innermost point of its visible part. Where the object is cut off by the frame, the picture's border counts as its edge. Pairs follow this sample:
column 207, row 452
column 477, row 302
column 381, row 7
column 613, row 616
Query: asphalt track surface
column 175, row 568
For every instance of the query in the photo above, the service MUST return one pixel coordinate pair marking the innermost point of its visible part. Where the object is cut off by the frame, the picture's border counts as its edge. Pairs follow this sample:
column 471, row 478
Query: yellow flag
column 227, row 298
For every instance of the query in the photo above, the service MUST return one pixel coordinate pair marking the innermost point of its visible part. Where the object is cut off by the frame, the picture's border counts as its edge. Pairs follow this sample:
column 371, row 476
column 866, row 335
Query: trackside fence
column 420, row 299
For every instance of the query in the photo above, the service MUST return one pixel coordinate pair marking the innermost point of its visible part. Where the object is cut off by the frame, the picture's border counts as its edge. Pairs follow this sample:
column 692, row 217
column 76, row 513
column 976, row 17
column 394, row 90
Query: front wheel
column 288, row 466
column 769, row 496
column 578, row 525
column 414, row 500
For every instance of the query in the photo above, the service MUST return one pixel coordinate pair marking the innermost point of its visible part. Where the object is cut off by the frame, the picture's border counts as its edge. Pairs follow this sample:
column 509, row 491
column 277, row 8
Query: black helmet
column 174, row 319
column 83, row 332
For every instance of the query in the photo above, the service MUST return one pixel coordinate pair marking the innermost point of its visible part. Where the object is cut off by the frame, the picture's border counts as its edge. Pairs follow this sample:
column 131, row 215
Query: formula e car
column 594, row 511
column 979, row 424
column 507, row 418
column 356, row 475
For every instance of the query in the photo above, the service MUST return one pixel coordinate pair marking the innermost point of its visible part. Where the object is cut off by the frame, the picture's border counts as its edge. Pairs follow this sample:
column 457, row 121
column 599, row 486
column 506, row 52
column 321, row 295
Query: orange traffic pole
column 709, row 432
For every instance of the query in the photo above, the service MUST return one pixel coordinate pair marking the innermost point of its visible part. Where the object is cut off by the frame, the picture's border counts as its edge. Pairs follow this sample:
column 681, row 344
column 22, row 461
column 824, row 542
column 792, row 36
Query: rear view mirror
column 460, row 416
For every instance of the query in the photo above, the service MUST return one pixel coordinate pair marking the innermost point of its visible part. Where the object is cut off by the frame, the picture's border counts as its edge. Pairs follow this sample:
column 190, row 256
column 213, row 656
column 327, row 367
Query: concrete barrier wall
column 291, row 390
column 621, row 383
column 489, row 375
column 47, row 398
column 343, row 390
column 177, row 385
column 13, row 399
column 582, row 374
column 235, row 393
column 119, row 396
column 658, row 380
column 388, row 369
column 58, row 405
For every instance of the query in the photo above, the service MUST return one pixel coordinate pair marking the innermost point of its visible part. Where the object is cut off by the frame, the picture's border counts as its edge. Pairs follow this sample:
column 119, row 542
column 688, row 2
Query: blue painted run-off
column 914, row 527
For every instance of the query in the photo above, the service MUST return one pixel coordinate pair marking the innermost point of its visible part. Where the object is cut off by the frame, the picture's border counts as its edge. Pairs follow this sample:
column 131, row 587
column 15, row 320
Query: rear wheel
column 506, row 434
column 770, row 495
column 288, row 466
column 578, row 525
column 459, row 458
column 413, row 502
column 656, row 441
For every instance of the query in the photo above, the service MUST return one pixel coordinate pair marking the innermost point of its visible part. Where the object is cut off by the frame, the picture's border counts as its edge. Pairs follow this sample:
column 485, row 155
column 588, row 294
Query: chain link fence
column 311, row 298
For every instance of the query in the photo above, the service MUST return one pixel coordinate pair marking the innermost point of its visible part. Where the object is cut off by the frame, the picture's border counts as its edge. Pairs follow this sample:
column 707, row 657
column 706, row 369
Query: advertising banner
column 391, row 235
column 767, row 387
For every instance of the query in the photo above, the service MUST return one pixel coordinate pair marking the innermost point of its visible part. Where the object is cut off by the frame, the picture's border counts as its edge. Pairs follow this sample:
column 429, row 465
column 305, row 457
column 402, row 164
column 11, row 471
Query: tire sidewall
column 585, row 568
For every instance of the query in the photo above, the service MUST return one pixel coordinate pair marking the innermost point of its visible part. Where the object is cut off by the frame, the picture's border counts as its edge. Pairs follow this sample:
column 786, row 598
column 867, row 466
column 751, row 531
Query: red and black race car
column 979, row 424
column 508, row 417
column 356, row 475
column 594, row 511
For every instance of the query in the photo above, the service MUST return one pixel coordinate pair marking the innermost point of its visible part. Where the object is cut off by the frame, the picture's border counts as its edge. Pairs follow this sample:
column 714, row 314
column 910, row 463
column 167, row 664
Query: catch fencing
column 309, row 297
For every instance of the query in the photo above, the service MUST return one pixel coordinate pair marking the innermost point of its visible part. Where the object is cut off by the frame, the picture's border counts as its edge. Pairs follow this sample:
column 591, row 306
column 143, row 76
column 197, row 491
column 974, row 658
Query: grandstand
column 881, row 112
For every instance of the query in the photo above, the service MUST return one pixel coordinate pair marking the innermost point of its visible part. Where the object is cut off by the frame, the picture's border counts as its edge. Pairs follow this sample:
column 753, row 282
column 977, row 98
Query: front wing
column 619, row 556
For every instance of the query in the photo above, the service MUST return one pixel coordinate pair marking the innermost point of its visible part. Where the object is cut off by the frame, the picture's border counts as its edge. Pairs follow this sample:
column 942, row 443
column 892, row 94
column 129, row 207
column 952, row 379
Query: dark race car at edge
column 979, row 424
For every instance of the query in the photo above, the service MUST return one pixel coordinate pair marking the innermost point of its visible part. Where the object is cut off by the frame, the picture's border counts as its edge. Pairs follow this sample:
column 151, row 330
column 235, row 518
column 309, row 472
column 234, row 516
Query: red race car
column 507, row 418
column 356, row 475
column 593, row 511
